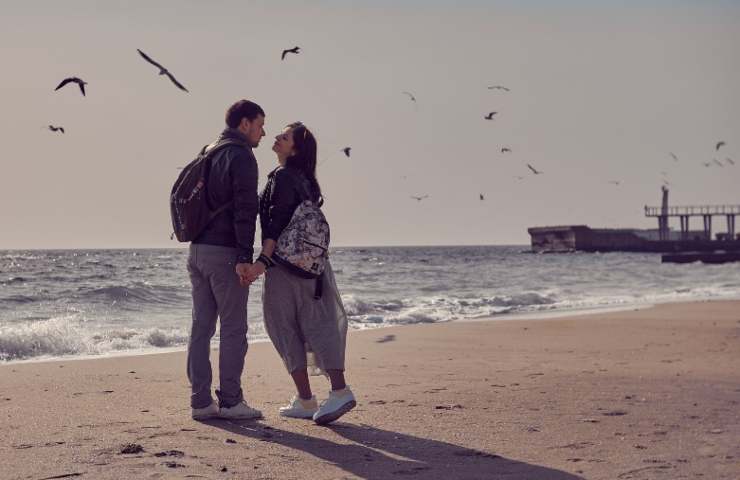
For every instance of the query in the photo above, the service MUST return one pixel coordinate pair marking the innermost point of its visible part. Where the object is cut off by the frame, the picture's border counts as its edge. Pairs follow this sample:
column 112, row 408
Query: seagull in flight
column 535, row 171
column 498, row 87
column 481, row 196
column 411, row 96
column 719, row 144
column 162, row 70
column 615, row 182
column 505, row 149
column 290, row 50
column 730, row 161
column 675, row 158
column 706, row 164
column 490, row 116
column 346, row 151
column 419, row 199
column 55, row 129
column 80, row 82
column 717, row 162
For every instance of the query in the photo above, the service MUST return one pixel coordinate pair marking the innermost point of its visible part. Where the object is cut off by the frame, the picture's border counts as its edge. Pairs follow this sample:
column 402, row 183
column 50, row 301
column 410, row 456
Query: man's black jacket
column 233, row 180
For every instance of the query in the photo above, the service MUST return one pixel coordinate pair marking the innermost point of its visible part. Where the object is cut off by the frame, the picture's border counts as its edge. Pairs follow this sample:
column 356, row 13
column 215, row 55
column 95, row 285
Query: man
column 219, row 257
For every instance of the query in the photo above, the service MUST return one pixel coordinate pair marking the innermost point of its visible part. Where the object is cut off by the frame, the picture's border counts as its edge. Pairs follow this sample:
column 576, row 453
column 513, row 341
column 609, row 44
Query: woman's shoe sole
column 331, row 416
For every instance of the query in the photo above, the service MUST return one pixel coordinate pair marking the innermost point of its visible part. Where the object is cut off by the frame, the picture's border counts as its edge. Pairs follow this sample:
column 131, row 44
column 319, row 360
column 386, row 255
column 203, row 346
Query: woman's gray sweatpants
column 216, row 294
column 293, row 318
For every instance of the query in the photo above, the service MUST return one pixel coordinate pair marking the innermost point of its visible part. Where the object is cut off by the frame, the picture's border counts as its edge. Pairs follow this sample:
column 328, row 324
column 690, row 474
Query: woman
column 296, row 321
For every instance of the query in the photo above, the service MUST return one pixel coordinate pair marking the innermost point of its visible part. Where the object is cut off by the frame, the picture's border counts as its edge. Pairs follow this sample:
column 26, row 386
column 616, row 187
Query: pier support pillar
column 708, row 226
column 684, row 227
column 663, row 227
column 731, row 227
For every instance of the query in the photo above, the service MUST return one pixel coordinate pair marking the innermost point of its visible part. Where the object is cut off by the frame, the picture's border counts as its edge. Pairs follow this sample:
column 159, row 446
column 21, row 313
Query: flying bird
column 419, row 199
column 615, row 182
column 536, row 172
column 411, row 96
column 717, row 162
column 498, row 87
column 490, row 116
column 55, row 129
column 730, row 161
column 706, row 164
column 719, row 144
column 346, row 151
column 505, row 149
column 675, row 158
column 481, row 196
column 76, row 80
column 162, row 70
column 290, row 50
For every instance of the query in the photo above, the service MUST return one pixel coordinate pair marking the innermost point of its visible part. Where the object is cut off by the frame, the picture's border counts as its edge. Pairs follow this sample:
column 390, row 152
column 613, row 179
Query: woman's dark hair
column 242, row 109
column 304, row 159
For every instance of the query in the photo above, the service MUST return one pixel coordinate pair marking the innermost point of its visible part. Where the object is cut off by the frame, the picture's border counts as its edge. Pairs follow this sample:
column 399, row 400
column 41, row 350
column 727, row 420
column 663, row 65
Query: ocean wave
column 67, row 335
column 154, row 294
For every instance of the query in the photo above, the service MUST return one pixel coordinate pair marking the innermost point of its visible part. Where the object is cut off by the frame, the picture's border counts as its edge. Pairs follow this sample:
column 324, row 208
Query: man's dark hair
column 242, row 109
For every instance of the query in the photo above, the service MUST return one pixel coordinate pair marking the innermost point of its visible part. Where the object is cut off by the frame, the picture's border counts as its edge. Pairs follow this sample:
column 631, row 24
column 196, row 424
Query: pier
column 684, row 213
column 570, row 238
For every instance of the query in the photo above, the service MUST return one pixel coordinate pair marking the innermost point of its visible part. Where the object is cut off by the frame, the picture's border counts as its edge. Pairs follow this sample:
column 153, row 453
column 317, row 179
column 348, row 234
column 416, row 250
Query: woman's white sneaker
column 300, row 408
column 338, row 403
column 240, row 411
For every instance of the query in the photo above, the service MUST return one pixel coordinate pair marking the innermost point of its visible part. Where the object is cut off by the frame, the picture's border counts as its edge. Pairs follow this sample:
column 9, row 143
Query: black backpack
column 189, row 206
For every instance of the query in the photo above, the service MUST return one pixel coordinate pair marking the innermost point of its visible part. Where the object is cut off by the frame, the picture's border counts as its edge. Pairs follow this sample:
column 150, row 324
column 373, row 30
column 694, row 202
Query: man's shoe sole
column 253, row 417
column 331, row 416
column 205, row 416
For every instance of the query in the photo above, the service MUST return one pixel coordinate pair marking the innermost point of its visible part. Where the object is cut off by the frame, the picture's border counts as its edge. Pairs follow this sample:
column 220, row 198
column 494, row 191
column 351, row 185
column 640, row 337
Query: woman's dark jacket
column 286, row 188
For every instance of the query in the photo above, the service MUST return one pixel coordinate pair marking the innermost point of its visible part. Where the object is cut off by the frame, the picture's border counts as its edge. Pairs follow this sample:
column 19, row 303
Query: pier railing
column 691, row 210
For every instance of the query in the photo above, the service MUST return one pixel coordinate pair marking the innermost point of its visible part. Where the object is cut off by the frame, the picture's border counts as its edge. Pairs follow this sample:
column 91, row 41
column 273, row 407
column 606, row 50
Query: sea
column 96, row 303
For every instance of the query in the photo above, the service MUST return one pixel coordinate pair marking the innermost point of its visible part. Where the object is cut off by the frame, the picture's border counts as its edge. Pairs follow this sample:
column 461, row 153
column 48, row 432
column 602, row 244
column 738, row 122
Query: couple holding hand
column 300, row 323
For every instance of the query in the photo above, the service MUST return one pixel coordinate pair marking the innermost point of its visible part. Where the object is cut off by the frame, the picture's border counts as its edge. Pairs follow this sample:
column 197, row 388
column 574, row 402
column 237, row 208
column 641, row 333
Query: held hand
column 257, row 269
column 242, row 271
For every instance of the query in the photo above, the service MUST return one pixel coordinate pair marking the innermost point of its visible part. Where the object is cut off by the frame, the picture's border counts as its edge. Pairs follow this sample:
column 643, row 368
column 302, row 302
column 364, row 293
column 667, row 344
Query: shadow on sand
column 377, row 454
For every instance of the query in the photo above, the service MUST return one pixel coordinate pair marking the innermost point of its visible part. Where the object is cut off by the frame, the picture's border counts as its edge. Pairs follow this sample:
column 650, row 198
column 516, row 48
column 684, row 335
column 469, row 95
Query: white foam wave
column 68, row 335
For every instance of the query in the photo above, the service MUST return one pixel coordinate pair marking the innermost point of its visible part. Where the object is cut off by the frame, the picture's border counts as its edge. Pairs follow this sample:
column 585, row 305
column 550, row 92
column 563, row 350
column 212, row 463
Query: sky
column 600, row 93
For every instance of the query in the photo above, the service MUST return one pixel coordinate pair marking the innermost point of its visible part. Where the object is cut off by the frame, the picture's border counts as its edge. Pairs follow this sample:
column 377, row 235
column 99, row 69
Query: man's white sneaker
column 211, row 411
column 300, row 408
column 338, row 403
column 240, row 411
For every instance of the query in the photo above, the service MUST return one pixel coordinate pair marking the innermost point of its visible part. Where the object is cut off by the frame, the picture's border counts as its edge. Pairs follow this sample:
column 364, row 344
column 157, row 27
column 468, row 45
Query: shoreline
column 505, row 317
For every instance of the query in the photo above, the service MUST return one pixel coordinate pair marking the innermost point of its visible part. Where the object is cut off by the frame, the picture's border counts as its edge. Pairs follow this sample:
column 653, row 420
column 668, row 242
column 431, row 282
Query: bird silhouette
column 719, row 144
column 56, row 129
column 290, row 50
column 411, row 96
column 346, row 150
column 490, row 116
column 706, row 164
column 498, row 87
column 535, row 171
column 80, row 82
column 730, row 161
column 481, row 196
column 505, row 149
column 615, row 182
column 717, row 162
column 675, row 158
column 419, row 199
column 162, row 70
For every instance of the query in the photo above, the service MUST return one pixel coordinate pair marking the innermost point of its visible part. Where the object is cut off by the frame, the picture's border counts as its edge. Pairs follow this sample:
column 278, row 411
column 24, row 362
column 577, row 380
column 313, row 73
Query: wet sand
column 651, row 393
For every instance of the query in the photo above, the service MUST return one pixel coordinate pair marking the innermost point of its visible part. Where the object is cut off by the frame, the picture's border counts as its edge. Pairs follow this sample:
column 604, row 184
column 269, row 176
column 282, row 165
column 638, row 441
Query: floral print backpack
column 303, row 247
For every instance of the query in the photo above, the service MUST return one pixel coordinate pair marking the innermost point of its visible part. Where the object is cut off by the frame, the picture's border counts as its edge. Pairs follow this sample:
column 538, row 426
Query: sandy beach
column 643, row 394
